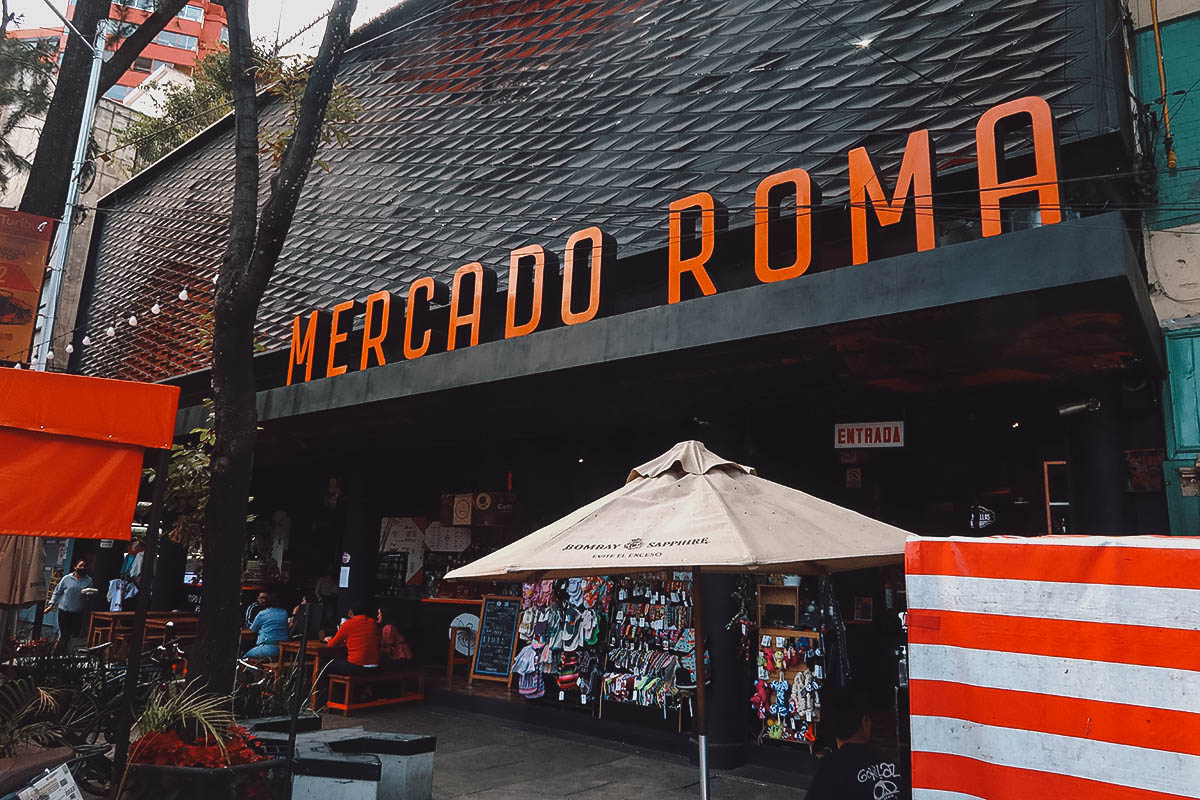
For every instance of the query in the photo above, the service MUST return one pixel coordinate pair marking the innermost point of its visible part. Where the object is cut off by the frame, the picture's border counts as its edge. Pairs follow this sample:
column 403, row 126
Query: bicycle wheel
column 92, row 769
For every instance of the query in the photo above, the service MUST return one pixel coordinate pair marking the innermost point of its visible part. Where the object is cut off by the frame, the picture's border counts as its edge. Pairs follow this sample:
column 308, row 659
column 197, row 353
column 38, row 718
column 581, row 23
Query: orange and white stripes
column 1064, row 667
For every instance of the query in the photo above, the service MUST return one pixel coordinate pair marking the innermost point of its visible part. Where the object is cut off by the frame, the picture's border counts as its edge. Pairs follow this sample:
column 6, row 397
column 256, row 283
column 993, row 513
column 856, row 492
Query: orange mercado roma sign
column 331, row 331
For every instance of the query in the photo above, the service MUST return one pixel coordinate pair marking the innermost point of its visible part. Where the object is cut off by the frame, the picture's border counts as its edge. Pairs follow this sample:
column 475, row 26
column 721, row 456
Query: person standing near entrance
column 70, row 601
column 856, row 770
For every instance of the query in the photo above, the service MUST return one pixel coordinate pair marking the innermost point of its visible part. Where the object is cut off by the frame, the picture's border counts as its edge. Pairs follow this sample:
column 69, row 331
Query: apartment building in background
column 197, row 30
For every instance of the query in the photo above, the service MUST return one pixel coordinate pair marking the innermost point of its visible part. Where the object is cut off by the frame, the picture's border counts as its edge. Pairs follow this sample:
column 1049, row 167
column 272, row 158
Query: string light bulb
column 132, row 320
column 110, row 331
column 49, row 355
column 70, row 348
column 17, row 365
column 86, row 341
column 156, row 309
column 183, row 295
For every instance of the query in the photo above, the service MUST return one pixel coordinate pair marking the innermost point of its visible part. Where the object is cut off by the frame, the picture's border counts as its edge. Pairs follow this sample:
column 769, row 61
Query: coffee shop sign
column 319, row 340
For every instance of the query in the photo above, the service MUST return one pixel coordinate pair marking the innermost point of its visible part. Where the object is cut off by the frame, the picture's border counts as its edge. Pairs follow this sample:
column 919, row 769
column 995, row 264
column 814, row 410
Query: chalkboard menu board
column 497, row 638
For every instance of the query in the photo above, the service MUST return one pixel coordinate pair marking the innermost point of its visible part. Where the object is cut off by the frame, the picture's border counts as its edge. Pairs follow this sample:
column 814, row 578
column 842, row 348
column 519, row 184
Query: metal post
column 701, row 680
column 62, row 240
column 300, row 692
column 137, row 636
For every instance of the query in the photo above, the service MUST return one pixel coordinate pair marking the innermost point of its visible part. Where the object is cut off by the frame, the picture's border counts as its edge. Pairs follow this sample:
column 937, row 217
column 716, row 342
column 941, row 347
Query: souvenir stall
column 690, row 509
column 651, row 660
column 790, row 664
column 561, row 635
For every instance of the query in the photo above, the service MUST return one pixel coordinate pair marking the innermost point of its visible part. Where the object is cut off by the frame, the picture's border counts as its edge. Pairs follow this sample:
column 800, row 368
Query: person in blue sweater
column 271, row 625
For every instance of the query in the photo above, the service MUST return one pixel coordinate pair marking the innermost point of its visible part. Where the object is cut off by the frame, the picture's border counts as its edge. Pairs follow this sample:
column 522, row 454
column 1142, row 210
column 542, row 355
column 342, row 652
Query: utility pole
column 48, row 309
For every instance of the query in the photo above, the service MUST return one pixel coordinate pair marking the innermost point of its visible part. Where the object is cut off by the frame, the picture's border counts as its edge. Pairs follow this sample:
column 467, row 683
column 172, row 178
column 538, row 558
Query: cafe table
column 318, row 654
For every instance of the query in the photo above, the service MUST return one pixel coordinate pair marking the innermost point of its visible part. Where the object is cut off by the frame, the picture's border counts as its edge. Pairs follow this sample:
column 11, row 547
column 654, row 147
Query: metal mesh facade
column 491, row 125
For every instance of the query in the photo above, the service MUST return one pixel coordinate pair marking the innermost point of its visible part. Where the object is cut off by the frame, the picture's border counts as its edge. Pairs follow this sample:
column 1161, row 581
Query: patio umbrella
column 22, row 581
column 691, row 509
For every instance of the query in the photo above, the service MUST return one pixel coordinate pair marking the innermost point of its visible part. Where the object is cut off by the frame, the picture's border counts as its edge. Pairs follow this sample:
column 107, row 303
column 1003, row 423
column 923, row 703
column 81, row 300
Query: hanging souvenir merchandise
column 790, row 664
column 652, row 643
column 562, row 623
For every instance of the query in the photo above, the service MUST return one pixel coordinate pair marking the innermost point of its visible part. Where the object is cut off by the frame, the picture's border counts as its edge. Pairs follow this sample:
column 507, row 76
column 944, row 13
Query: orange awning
column 71, row 451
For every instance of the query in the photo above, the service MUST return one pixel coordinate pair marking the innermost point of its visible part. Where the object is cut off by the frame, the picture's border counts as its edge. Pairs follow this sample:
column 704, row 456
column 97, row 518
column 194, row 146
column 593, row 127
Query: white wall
column 111, row 118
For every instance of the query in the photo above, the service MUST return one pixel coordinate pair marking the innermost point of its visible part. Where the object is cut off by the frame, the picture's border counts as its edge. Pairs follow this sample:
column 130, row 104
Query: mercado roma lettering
column 330, row 331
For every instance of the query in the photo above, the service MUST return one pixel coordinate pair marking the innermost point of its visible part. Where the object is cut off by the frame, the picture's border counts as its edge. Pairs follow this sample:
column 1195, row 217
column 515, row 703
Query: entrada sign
column 868, row 434
column 470, row 282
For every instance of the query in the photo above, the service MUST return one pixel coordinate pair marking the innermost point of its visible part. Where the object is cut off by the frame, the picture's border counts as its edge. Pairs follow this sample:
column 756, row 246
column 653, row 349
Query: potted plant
column 28, row 717
column 188, row 745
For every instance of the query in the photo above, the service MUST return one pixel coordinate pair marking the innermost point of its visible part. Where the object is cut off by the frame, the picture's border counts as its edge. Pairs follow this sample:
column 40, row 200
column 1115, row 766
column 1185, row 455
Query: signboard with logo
column 868, row 434
column 404, row 535
column 440, row 538
column 486, row 509
column 24, row 243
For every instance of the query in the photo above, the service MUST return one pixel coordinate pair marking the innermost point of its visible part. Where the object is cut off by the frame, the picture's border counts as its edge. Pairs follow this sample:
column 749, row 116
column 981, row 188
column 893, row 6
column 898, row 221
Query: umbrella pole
column 701, row 680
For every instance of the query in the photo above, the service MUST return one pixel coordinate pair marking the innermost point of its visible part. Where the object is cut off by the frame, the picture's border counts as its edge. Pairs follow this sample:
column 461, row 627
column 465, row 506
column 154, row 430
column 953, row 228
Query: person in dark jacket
column 856, row 770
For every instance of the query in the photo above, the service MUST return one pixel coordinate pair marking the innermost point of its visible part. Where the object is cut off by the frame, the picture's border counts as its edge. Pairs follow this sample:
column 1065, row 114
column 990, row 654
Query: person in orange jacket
column 360, row 635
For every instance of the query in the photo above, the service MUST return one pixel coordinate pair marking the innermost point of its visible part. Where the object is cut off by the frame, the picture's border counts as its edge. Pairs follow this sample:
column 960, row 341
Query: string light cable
column 155, row 309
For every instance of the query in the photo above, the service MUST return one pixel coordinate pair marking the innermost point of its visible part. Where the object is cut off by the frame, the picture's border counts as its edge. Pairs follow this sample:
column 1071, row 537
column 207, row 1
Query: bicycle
column 94, row 732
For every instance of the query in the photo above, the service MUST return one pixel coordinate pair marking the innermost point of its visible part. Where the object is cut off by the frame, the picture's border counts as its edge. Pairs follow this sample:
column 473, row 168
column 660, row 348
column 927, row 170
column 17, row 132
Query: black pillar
column 729, row 690
column 1095, row 462
column 356, row 540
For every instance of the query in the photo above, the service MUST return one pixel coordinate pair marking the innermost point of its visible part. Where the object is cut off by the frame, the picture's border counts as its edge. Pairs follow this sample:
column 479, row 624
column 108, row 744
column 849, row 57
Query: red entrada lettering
column 850, row 436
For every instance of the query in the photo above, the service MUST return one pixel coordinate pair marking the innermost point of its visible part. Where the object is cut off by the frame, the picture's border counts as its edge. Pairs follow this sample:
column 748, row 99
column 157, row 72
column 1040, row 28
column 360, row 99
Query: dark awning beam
column 1087, row 252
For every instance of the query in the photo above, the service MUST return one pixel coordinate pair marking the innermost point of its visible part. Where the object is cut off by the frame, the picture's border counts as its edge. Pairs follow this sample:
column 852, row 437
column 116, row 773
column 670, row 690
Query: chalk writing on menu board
column 497, row 636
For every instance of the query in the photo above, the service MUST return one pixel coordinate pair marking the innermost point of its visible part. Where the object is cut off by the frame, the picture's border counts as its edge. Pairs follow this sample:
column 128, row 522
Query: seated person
column 271, row 625
column 308, row 605
column 393, row 647
column 360, row 635
column 254, row 608
column 856, row 770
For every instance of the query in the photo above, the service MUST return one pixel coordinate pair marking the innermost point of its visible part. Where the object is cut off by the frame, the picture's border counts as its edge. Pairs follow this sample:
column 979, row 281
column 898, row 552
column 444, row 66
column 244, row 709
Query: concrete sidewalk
column 485, row 758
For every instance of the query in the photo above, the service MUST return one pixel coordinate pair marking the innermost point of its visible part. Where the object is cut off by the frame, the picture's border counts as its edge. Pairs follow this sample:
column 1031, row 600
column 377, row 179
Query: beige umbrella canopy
column 691, row 508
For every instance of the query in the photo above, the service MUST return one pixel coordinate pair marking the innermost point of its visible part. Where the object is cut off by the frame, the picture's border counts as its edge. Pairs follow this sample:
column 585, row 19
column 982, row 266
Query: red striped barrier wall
column 1064, row 667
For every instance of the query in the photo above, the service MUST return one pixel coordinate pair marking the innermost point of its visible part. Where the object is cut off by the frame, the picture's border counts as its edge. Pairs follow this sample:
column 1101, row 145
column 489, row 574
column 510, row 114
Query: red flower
column 169, row 749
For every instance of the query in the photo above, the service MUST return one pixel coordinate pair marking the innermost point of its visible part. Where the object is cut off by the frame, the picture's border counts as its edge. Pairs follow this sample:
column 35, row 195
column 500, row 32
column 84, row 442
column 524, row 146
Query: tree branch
column 46, row 189
column 288, row 182
column 244, row 220
column 133, row 46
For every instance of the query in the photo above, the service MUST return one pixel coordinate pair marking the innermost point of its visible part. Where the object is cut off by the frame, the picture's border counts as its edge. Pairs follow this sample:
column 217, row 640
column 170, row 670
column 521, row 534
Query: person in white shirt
column 69, row 598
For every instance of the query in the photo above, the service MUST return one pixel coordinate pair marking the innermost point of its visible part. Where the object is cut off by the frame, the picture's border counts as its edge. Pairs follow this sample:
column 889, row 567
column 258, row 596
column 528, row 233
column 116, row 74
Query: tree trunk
column 245, row 271
column 50, row 172
column 235, row 416
column 225, row 524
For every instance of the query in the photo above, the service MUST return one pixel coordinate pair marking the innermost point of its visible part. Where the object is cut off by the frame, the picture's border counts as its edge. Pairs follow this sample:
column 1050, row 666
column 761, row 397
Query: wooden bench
column 343, row 688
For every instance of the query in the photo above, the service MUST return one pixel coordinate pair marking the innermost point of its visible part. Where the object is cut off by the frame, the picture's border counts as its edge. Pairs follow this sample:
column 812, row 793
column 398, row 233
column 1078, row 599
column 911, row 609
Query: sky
column 266, row 17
